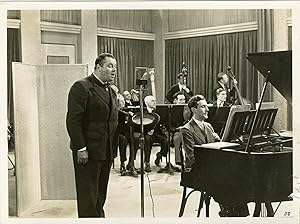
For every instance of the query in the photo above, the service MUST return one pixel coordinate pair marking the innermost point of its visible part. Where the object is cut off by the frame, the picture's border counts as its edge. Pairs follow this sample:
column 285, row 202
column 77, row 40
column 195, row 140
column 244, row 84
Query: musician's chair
column 187, row 182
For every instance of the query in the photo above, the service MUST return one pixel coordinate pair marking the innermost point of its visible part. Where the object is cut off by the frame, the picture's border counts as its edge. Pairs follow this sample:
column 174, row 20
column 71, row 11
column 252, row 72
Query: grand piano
column 255, row 162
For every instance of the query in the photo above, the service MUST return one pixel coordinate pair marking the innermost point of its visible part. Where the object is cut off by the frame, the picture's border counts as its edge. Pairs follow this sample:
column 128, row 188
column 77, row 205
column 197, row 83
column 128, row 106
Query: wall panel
column 57, row 175
column 192, row 19
column 26, row 136
column 63, row 39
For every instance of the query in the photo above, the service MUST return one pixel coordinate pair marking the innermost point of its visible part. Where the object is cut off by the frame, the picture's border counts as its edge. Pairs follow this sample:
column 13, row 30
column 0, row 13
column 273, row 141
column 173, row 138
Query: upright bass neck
column 231, row 75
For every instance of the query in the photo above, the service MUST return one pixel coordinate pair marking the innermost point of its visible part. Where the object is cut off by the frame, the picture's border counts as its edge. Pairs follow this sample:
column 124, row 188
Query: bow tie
column 105, row 85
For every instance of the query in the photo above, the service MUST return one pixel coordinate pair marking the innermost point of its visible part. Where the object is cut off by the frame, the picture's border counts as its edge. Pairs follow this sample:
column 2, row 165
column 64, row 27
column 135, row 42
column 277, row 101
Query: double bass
column 241, row 100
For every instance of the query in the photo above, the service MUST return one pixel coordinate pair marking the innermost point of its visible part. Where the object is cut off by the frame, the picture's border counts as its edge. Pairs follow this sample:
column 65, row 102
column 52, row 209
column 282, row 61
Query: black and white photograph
column 168, row 111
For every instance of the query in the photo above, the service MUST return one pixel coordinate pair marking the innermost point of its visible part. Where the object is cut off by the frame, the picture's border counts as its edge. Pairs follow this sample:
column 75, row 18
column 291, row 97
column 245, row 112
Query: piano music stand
column 171, row 115
column 240, row 124
column 229, row 133
column 217, row 117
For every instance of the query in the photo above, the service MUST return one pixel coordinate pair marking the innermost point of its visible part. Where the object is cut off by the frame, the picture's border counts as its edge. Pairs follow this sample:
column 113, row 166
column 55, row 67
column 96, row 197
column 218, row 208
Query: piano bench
column 188, row 182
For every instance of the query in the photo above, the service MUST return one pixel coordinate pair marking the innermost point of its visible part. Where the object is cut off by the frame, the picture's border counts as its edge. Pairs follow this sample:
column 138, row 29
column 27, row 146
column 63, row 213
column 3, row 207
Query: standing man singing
column 92, row 121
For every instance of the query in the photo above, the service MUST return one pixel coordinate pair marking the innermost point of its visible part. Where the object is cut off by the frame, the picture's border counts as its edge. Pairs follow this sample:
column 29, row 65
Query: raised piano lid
column 279, row 63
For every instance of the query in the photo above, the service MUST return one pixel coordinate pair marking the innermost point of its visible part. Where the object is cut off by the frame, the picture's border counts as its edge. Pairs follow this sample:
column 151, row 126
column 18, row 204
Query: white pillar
column 31, row 37
column 159, row 26
column 281, row 44
column 89, row 38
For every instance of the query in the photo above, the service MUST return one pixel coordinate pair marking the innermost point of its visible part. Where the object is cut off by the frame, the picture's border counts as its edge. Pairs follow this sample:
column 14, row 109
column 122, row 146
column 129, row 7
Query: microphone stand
column 141, row 81
column 142, row 146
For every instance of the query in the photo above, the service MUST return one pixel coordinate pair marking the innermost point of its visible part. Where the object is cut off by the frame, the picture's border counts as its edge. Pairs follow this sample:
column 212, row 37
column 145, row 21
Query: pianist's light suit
column 192, row 135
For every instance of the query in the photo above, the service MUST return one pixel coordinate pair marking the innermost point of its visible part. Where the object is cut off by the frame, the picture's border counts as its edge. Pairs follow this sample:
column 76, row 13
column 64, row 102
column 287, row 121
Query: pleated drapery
column 129, row 54
column 62, row 16
column 206, row 56
column 265, row 40
column 133, row 20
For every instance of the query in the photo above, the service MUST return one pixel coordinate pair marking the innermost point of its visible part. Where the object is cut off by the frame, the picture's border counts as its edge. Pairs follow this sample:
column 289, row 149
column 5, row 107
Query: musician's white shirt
column 220, row 103
column 180, row 86
column 222, row 84
column 183, row 87
column 150, row 110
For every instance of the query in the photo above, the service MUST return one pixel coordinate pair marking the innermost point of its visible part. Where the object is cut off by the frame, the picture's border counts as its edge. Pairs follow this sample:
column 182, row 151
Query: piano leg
column 207, row 203
column 270, row 211
column 257, row 210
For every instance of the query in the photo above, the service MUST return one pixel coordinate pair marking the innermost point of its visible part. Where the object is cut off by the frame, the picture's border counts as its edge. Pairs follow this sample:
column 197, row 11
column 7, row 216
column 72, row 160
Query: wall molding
column 107, row 32
column 59, row 27
column 289, row 21
column 214, row 30
column 14, row 23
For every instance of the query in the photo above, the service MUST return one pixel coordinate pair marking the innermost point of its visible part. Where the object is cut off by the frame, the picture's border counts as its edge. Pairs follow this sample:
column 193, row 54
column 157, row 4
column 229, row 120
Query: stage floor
column 123, row 199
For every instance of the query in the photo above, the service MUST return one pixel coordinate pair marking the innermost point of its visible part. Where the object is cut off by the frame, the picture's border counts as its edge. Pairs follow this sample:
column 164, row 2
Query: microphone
column 228, row 67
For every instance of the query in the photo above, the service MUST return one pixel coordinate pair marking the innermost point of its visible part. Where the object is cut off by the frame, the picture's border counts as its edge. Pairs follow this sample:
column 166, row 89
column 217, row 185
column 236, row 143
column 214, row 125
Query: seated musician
column 222, row 82
column 179, row 98
column 127, row 97
column 221, row 95
column 198, row 132
column 124, row 135
column 135, row 98
column 180, row 86
column 154, row 134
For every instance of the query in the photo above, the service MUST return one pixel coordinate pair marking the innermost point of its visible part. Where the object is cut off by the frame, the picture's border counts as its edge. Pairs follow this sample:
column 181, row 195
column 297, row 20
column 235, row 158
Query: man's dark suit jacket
column 174, row 89
column 92, row 118
column 230, row 92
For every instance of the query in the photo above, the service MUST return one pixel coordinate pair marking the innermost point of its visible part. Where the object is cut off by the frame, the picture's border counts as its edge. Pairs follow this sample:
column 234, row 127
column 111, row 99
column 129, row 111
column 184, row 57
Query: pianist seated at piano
column 198, row 132
column 221, row 96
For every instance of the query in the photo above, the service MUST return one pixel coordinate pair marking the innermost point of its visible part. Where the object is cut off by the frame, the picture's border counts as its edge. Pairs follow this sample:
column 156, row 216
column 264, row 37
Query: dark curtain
column 265, row 40
column 206, row 56
column 13, row 55
column 129, row 54
column 13, row 14
column 134, row 20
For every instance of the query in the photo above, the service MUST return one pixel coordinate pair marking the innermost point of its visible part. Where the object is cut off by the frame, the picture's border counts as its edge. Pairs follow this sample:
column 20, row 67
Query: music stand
column 229, row 130
column 171, row 116
column 217, row 117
